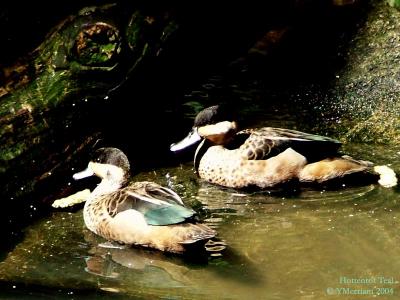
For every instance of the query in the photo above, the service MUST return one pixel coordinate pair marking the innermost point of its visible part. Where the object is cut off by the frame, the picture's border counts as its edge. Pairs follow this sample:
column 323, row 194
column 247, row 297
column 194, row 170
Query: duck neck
column 105, row 187
column 201, row 149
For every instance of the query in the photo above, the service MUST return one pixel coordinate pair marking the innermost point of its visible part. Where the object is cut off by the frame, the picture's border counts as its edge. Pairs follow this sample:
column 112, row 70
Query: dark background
column 147, row 115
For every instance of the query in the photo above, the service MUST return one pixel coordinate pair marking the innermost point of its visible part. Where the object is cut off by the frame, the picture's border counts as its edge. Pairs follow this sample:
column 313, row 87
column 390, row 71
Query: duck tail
column 388, row 177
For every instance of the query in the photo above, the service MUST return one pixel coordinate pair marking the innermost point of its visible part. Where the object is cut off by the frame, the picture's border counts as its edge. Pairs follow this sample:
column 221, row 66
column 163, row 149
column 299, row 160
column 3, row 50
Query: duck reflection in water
column 164, row 270
column 106, row 260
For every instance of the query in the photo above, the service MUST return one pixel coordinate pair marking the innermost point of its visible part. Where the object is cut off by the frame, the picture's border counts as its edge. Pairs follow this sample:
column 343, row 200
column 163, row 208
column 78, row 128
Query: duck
column 268, row 157
column 141, row 213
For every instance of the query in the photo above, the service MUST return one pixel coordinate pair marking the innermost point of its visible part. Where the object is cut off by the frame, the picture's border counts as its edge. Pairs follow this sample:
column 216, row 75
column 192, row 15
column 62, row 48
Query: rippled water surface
column 278, row 247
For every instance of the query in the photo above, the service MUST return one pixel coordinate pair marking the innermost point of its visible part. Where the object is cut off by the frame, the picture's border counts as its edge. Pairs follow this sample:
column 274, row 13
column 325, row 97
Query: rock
column 366, row 92
column 52, row 101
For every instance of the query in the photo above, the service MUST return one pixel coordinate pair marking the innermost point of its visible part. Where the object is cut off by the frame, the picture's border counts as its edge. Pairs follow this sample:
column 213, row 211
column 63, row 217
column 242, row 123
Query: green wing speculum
column 158, row 205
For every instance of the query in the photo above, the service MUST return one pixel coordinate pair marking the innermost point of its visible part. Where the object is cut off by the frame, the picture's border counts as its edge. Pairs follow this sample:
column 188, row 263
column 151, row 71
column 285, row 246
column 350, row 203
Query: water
column 278, row 247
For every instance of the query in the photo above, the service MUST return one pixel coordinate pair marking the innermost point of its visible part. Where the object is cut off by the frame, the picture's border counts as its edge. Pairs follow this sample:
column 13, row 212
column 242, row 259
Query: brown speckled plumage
column 231, row 168
column 116, row 217
column 268, row 156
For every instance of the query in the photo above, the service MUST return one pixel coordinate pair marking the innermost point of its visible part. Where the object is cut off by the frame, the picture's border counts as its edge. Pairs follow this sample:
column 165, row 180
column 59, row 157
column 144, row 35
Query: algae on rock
column 366, row 93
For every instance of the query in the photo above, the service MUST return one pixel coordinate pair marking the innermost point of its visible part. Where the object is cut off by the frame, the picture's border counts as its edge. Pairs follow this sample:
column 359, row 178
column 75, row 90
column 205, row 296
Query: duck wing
column 159, row 205
column 265, row 142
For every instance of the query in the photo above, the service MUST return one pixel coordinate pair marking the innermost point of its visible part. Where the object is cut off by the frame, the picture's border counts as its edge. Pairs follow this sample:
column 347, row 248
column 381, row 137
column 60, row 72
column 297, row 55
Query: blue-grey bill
column 83, row 174
column 192, row 138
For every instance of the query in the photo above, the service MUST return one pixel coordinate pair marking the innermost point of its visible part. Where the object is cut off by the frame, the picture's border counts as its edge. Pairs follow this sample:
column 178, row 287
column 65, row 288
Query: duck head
column 213, row 124
column 109, row 164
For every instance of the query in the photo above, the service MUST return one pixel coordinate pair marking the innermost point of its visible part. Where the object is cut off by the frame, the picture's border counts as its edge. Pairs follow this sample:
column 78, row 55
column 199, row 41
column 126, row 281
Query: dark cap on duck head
column 111, row 156
column 213, row 115
column 206, row 119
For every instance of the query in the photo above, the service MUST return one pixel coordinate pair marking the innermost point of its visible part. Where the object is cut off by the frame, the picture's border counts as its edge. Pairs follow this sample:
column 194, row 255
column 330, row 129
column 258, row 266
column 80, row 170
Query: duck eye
column 97, row 45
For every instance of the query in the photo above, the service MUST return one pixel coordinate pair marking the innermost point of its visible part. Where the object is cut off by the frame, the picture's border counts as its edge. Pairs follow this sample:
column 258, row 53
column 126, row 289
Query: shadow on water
column 22, row 290
column 22, row 212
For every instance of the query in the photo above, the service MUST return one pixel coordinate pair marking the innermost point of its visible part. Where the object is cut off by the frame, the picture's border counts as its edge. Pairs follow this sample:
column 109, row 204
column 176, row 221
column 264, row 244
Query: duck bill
column 192, row 138
column 83, row 174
